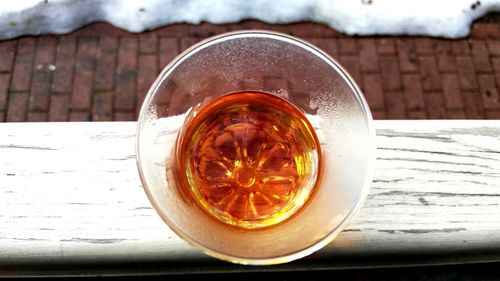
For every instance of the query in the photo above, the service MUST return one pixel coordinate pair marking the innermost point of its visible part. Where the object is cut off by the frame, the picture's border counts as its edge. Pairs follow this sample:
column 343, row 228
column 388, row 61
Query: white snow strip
column 441, row 18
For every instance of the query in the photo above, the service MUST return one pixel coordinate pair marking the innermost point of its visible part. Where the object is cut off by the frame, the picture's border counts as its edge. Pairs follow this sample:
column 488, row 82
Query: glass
column 256, row 147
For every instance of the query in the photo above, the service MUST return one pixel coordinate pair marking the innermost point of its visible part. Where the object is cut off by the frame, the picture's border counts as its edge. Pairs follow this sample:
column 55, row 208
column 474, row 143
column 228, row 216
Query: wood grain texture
column 71, row 202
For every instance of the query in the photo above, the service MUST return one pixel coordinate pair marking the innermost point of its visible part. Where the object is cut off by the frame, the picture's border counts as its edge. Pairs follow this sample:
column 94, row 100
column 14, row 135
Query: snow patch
column 442, row 18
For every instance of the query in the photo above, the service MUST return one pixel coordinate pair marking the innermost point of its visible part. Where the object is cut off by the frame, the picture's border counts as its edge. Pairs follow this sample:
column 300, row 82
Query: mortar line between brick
column 366, row 72
column 475, row 94
column 478, row 72
column 158, row 52
column 464, row 93
column 7, row 98
column 25, row 118
column 115, row 69
column 33, row 64
column 70, row 95
column 417, row 73
column 425, row 92
column 409, row 72
column 75, row 62
column 50, row 80
column 126, row 111
column 54, row 93
column 136, row 84
column 94, row 70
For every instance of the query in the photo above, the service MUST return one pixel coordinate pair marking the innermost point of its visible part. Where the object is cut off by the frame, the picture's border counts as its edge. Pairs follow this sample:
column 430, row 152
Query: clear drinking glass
column 294, row 71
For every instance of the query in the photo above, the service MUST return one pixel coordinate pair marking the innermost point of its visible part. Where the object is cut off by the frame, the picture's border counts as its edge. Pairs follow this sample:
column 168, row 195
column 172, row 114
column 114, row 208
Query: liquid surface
column 248, row 159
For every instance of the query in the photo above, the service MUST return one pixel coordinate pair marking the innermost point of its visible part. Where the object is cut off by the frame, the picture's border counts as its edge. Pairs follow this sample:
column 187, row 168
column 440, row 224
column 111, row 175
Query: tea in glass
column 248, row 159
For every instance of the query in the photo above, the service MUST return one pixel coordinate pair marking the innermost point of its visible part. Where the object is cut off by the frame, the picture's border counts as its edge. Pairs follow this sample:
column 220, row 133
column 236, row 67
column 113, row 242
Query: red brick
column 37, row 117
column 237, row 26
column 395, row 106
column 173, row 30
column 424, row 46
column 21, row 76
column 127, row 54
column 83, row 86
column 103, row 107
column 485, row 30
column 62, row 82
column 493, row 114
column 466, row 73
column 417, row 115
column 480, row 56
column 148, row 43
column 45, row 51
column 285, row 29
column 444, row 56
column 302, row 29
column 456, row 114
column 351, row 65
column 329, row 45
column 148, row 71
column 429, row 73
column 169, row 49
column 412, row 90
column 187, row 42
column 247, row 24
column 390, row 73
column 7, row 53
column 460, row 47
column 59, row 108
column 17, row 108
column 206, row 29
column 408, row 61
column 124, row 116
column 42, row 76
column 497, row 73
column 275, row 84
column 496, row 64
column 79, row 116
column 322, row 30
column 4, row 85
column 489, row 92
column 478, row 31
column 347, row 46
column 385, row 46
column 373, row 91
column 451, row 91
column 494, row 47
column 104, row 79
column 127, row 75
column 473, row 106
column 368, row 58
column 101, row 29
column 379, row 115
column 303, row 101
column 492, row 30
column 178, row 105
column 435, row 106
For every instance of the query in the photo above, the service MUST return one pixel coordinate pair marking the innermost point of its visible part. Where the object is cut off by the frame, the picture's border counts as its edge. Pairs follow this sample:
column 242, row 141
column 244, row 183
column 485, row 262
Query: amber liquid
column 248, row 159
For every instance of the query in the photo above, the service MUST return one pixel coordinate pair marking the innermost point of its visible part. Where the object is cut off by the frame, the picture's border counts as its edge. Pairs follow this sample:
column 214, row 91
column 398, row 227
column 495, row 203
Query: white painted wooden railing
column 71, row 203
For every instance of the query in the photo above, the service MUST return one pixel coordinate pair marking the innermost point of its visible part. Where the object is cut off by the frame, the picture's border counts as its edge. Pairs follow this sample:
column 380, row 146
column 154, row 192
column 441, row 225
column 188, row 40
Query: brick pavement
column 101, row 73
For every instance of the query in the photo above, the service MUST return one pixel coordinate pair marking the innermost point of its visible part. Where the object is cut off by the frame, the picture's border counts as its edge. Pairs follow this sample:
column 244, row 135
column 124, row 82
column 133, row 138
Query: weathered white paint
column 70, row 194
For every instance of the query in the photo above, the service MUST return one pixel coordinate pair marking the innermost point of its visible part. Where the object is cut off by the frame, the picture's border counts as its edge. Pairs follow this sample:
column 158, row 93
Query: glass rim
column 361, row 196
